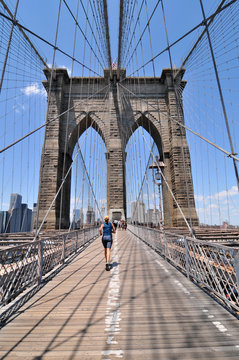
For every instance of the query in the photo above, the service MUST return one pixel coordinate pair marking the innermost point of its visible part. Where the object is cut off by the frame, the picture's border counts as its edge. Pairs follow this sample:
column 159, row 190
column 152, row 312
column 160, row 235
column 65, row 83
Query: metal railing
column 213, row 266
column 25, row 265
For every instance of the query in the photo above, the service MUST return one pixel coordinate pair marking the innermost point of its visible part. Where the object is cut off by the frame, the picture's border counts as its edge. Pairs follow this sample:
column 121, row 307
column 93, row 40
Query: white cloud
column 199, row 197
column 219, row 206
column 33, row 89
column 61, row 67
column 223, row 194
column 17, row 108
column 213, row 206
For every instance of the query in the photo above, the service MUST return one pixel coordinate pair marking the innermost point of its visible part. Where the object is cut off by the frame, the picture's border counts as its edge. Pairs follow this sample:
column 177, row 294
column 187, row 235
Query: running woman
column 106, row 230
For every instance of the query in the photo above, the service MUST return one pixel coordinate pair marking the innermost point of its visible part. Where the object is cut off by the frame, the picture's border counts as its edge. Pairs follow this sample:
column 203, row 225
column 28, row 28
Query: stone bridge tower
column 115, row 125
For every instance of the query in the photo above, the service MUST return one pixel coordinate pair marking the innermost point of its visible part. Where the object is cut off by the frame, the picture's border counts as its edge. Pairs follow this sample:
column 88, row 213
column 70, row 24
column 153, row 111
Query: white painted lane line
column 113, row 314
column 182, row 287
column 220, row 326
column 162, row 266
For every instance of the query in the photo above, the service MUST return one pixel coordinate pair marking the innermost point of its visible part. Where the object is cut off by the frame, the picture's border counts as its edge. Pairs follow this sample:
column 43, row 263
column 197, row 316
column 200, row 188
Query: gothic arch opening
column 88, row 178
column 144, row 197
column 150, row 124
column 82, row 122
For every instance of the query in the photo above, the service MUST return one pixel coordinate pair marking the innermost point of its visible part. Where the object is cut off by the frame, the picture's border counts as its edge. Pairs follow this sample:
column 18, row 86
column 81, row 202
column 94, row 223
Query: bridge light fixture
column 157, row 168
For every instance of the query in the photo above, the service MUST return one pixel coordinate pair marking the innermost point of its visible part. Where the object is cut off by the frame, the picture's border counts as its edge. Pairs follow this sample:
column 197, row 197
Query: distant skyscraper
column 77, row 214
column 15, row 220
column 15, row 201
column 102, row 211
column 4, row 216
column 138, row 211
column 15, row 213
column 20, row 217
column 90, row 216
column 34, row 212
column 81, row 216
column 78, row 219
column 152, row 216
column 26, row 218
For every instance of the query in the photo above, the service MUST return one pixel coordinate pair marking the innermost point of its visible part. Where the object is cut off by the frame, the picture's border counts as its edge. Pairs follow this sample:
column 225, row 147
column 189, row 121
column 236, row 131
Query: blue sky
column 214, row 180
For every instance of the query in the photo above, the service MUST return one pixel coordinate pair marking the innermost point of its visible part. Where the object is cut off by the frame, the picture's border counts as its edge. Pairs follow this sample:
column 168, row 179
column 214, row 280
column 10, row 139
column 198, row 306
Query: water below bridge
column 142, row 309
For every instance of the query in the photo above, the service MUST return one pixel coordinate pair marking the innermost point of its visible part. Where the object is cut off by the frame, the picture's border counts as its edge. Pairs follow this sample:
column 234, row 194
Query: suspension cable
column 48, row 43
column 220, row 93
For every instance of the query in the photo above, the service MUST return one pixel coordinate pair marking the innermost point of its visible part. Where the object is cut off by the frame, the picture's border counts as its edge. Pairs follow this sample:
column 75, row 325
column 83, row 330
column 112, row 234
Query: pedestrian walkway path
column 142, row 309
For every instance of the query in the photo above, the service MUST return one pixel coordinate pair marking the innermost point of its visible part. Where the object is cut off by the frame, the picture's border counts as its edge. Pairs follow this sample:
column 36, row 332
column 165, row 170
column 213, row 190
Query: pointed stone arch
column 151, row 125
column 83, row 122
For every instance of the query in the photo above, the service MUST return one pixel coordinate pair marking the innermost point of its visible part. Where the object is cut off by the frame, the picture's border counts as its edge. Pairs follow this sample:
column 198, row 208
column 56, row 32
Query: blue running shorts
column 107, row 243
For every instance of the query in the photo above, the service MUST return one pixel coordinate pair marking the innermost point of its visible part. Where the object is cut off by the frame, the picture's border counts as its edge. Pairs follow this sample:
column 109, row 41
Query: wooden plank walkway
column 142, row 309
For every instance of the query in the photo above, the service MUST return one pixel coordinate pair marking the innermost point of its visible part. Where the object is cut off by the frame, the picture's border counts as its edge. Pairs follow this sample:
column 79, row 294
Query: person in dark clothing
column 106, row 230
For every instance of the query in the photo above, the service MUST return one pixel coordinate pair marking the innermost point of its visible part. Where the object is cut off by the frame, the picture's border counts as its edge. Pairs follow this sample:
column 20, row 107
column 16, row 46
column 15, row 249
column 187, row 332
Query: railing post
column 236, row 266
column 40, row 261
column 186, row 256
column 63, row 249
column 83, row 237
column 76, row 242
column 165, row 247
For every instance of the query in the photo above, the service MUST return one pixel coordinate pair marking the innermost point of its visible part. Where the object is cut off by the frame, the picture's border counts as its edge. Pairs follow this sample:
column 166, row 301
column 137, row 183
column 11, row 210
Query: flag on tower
column 114, row 66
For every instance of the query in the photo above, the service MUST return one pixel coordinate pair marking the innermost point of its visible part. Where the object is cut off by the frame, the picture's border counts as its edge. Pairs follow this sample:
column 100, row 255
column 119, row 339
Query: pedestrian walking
column 106, row 229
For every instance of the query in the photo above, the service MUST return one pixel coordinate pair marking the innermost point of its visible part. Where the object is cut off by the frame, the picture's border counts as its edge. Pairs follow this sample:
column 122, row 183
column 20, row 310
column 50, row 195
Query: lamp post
column 157, row 167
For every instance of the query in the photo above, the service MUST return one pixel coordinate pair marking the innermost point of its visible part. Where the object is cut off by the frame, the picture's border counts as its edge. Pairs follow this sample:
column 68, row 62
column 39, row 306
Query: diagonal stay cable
column 24, row 34
column 47, row 42
column 50, row 121
column 218, row 11
column 186, row 127
column 199, row 38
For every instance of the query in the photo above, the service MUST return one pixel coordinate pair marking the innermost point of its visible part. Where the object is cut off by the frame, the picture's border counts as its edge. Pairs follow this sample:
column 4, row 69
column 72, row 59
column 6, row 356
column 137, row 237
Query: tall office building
column 81, row 216
column 15, row 201
column 90, row 216
column 23, row 218
column 4, row 217
column 78, row 219
column 15, row 220
column 15, row 213
column 102, row 211
column 20, row 217
column 153, row 217
column 26, row 218
column 138, row 212
column 34, row 213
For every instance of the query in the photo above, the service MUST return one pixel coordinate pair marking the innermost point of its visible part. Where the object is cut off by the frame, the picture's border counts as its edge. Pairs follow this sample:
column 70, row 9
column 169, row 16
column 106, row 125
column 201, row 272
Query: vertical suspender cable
column 8, row 45
column 220, row 93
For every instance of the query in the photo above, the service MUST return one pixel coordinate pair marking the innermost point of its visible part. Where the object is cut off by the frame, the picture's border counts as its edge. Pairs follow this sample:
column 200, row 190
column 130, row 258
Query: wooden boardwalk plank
column 142, row 309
